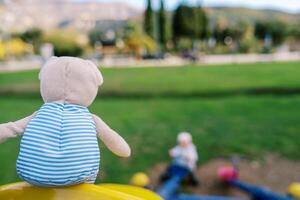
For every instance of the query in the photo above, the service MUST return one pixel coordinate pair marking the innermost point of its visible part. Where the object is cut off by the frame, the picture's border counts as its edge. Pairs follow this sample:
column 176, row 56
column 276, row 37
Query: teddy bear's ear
column 99, row 77
column 51, row 59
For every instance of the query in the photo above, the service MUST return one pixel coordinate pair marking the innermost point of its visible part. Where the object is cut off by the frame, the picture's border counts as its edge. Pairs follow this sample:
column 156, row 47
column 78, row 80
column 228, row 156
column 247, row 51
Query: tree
column 162, row 24
column 201, row 21
column 189, row 22
column 33, row 36
column 274, row 29
column 183, row 22
column 98, row 35
column 64, row 44
column 294, row 31
column 149, row 20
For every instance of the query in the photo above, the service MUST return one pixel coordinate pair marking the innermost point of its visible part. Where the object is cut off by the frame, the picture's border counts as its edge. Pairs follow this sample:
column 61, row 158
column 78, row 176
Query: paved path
column 36, row 62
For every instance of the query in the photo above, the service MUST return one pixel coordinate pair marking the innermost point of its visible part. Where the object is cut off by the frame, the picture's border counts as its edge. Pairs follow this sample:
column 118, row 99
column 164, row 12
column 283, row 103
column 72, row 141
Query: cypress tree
column 189, row 22
column 149, row 20
column 162, row 25
column 202, row 23
column 184, row 22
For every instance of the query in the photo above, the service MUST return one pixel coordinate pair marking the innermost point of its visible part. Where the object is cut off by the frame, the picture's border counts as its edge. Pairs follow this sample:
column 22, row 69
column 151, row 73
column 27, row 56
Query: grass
column 250, row 126
column 176, row 81
column 246, row 124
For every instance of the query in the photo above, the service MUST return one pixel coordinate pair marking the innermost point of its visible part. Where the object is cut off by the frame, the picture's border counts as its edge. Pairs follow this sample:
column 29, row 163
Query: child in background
column 184, row 154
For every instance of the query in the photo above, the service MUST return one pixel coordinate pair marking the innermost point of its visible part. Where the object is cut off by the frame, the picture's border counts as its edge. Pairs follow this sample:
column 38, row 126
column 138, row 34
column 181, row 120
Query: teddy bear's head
column 69, row 80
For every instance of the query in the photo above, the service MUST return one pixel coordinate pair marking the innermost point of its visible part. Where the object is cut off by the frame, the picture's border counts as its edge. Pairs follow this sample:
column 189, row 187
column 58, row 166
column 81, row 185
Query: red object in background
column 227, row 173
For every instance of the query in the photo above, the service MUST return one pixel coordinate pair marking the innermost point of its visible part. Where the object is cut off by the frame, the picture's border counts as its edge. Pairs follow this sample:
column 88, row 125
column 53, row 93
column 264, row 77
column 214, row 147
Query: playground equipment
column 24, row 191
column 169, row 190
column 230, row 176
column 294, row 190
column 140, row 179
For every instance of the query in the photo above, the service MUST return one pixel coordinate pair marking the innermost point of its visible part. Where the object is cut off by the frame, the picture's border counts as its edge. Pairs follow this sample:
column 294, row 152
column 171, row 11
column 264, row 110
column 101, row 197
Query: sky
column 292, row 6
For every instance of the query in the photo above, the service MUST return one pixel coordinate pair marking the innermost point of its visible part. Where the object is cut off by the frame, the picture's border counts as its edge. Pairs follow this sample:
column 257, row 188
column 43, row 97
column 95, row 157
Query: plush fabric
column 64, row 81
column 13, row 129
column 59, row 147
column 71, row 80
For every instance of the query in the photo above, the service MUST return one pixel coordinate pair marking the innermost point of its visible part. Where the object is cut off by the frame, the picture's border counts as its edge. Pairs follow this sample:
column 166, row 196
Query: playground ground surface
column 250, row 109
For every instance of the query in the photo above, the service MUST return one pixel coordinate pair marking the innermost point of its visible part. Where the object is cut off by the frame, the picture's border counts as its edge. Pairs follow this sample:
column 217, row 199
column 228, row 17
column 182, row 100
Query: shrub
column 184, row 43
column 33, row 36
column 64, row 44
column 14, row 47
column 2, row 51
column 140, row 42
column 275, row 29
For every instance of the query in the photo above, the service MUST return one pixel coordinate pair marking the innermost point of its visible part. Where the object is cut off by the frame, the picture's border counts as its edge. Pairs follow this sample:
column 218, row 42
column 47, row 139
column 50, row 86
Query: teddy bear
column 59, row 145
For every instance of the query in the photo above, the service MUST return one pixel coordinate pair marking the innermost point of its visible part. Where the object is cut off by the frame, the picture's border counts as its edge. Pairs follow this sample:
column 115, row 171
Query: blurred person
column 185, row 155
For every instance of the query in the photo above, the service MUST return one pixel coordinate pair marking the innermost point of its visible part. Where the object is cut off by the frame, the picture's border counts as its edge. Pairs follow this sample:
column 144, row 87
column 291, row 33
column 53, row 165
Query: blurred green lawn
column 246, row 124
column 176, row 80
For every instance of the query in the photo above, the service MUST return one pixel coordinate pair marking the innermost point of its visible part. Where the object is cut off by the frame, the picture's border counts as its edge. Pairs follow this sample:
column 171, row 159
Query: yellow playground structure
column 24, row 191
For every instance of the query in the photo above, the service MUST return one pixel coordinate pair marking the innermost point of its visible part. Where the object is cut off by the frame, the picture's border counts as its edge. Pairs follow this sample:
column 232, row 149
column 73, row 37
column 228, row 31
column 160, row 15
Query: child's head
column 184, row 139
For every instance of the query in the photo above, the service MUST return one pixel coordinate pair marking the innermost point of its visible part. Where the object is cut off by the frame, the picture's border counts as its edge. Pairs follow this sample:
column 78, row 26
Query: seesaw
column 168, row 191
column 229, row 175
column 24, row 191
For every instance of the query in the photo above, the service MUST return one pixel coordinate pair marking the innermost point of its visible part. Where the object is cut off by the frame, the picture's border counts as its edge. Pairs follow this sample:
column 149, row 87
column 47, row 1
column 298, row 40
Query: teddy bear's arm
column 13, row 129
column 111, row 139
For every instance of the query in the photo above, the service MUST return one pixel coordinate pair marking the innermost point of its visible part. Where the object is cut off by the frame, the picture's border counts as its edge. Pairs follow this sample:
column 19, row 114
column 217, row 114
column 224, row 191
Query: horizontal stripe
column 78, row 128
column 73, row 174
column 77, row 134
column 60, row 160
column 54, row 113
column 61, row 156
column 57, row 170
column 43, row 147
column 46, row 120
column 77, row 124
column 75, row 121
column 46, row 124
column 52, row 164
column 49, row 116
column 85, row 138
column 80, row 142
column 43, row 137
column 43, row 129
column 62, row 151
column 39, row 140
column 87, row 147
column 38, row 149
column 54, row 181
column 36, row 131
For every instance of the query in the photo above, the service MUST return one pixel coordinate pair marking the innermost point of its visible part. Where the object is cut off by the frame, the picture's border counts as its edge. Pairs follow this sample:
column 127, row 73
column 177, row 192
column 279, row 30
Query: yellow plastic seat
column 294, row 190
column 24, row 191
column 140, row 179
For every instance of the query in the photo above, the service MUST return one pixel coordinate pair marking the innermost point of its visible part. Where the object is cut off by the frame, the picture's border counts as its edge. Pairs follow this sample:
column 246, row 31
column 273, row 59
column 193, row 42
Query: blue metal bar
column 169, row 189
column 196, row 197
column 258, row 193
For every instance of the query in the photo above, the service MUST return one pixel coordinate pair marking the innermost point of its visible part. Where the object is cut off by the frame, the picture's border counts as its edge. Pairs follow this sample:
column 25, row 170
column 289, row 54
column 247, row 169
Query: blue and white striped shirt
column 59, row 147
